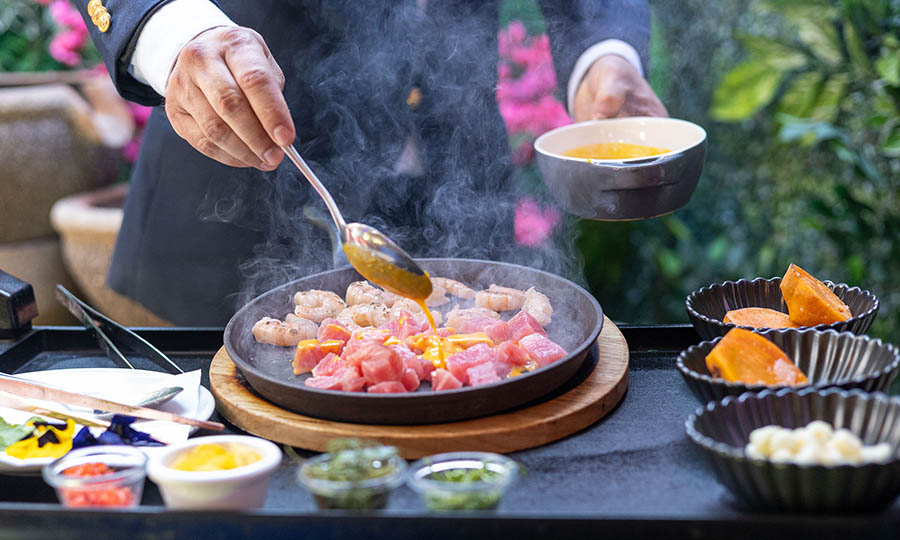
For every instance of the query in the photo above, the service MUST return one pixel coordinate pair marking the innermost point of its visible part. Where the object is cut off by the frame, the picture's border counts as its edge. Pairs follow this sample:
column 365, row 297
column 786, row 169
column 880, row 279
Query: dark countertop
column 634, row 474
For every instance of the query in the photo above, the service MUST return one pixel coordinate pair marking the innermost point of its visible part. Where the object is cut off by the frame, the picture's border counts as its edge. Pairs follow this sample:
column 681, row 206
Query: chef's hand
column 613, row 88
column 224, row 97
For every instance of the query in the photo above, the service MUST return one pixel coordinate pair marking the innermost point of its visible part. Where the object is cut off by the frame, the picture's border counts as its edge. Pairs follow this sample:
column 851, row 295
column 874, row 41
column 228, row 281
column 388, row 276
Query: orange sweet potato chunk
column 809, row 301
column 758, row 317
column 742, row 356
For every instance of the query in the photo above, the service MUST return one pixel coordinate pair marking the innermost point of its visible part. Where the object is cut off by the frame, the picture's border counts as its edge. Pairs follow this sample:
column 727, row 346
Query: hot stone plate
column 576, row 324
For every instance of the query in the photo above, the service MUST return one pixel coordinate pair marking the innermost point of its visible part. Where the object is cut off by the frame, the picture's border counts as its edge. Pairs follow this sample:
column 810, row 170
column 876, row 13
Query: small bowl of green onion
column 463, row 480
column 353, row 475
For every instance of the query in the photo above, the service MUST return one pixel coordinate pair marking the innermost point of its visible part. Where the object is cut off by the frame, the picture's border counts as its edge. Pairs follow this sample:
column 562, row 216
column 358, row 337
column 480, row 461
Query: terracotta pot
column 88, row 224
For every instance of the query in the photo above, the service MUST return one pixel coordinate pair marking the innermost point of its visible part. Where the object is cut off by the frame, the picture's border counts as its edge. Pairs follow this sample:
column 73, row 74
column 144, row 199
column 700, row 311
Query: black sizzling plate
column 577, row 319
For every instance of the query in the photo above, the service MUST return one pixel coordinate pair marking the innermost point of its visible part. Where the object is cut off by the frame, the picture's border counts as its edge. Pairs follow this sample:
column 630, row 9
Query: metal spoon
column 151, row 400
column 373, row 254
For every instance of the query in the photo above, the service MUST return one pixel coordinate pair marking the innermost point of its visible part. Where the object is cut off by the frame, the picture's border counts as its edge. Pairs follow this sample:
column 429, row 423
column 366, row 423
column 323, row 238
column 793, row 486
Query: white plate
column 117, row 385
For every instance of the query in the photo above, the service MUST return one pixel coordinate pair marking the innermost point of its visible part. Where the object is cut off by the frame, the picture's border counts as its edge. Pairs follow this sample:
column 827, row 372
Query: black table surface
column 634, row 474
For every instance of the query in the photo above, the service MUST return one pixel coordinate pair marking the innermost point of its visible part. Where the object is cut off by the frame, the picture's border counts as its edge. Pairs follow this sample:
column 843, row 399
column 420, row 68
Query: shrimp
column 456, row 315
column 364, row 315
column 499, row 298
column 317, row 305
column 453, row 287
column 363, row 292
column 414, row 309
column 286, row 333
column 538, row 306
column 438, row 296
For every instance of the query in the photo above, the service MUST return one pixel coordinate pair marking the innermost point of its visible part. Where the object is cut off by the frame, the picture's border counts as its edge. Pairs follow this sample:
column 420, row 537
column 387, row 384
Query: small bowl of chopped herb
column 463, row 480
column 353, row 475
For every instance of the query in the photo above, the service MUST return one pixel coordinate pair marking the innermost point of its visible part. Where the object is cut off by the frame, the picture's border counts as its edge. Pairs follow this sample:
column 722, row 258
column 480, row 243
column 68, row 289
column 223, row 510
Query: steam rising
column 349, row 86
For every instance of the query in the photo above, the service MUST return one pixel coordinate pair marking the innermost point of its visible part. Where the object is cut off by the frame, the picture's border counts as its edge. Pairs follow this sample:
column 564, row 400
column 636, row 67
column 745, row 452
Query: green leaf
column 10, row 433
column 801, row 94
column 772, row 52
column 888, row 67
column 669, row 263
column 747, row 88
column 855, row 47
column 891, row 141
column 717, row 250
column 828, row 103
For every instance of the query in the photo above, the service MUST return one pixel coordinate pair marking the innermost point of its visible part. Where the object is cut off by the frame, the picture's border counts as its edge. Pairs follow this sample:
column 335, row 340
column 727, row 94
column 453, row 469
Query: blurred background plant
column 50, row 35
column 800, row 100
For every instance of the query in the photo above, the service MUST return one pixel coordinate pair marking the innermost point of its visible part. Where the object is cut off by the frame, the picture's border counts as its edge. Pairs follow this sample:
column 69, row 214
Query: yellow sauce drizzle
column 613, row 150
column 381, row 272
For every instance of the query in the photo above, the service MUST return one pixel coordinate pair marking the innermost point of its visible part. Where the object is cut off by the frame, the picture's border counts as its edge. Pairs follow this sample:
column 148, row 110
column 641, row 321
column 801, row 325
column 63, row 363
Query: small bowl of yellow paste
column 622, row 168
column 217, row 472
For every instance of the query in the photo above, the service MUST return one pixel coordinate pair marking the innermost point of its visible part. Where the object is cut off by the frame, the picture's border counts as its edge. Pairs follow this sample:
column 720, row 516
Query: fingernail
column 282, row 136
column 271, row 157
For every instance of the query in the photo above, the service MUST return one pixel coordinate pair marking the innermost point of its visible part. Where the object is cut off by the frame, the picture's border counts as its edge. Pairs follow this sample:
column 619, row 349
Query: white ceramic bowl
column 623, row 189
column 232, row 489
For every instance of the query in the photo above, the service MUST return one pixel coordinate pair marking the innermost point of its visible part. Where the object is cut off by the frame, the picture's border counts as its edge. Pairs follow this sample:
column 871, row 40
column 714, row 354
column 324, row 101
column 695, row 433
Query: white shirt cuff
column 164, row 35
column 587, row 59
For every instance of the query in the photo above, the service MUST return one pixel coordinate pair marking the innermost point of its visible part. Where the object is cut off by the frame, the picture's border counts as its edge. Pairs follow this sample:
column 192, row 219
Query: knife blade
column 28, row 389
column 15, row 402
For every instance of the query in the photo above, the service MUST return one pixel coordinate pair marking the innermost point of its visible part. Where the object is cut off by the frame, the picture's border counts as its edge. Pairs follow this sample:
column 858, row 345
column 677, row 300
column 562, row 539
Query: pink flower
column 140, row 113
column 532, row 225
column 66, row 16
column 63, row 48
column 131, row 150
column 524, row 153
column 43, row 2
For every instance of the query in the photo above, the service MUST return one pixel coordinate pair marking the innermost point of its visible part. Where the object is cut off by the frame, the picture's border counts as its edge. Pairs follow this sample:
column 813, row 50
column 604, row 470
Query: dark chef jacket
column 197, row 232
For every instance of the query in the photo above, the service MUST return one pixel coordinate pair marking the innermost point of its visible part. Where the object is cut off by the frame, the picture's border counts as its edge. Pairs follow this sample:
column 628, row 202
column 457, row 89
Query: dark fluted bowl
column 828, row 358
column 708, row 306
column 722, row 429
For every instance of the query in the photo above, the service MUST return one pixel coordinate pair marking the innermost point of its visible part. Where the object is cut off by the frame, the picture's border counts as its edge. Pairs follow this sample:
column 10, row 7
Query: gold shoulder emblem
column 99, row 15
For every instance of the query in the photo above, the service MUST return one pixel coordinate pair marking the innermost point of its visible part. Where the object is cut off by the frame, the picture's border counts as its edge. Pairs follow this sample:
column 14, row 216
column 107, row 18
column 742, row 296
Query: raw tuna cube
column 328, row 365
column 541, row 349
column 356, row 350
column 351, row 379
column 332, row 329
column 410, row 380
column 311, row 351
column 482, row 374
column 498, row 331
column 445, row 332
column 407, row 325
column 410, row 359
column 441, row 379
column 458, row 363
column 511, row 354
column 524, row 324
column 427, row 369
column 389, row 387
column 381, row 364
column 324, row 383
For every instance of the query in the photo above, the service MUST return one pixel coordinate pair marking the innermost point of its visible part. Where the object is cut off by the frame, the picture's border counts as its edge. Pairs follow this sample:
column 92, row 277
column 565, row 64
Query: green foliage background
column 799, row 99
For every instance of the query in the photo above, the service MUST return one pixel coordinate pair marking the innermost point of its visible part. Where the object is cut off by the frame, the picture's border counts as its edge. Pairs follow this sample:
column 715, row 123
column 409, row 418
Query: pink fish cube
column 482, row 374
column 388, row 387
column 523, row 324
column 541, row 349
column 441, row 379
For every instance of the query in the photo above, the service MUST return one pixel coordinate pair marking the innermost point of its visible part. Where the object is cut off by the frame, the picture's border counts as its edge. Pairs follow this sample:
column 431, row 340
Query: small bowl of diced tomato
column 104, row 476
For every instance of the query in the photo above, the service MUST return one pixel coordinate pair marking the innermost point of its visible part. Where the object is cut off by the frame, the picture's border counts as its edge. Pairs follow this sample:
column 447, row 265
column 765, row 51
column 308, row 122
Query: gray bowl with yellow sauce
column 623, row 188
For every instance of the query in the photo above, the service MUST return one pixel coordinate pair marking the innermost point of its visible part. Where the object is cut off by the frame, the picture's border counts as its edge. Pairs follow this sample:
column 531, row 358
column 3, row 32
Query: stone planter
column 60, row 133
column 88, row 224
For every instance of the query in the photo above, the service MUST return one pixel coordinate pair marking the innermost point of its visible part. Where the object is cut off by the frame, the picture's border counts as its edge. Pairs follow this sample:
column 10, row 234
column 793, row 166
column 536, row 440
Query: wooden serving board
column 522, row 428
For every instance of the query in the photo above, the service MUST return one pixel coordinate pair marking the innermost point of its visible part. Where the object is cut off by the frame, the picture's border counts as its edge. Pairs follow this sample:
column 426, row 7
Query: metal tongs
column 108, row 332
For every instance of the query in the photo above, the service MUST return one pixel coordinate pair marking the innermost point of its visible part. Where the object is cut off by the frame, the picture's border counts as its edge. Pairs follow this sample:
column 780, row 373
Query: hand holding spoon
column 373, row 254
